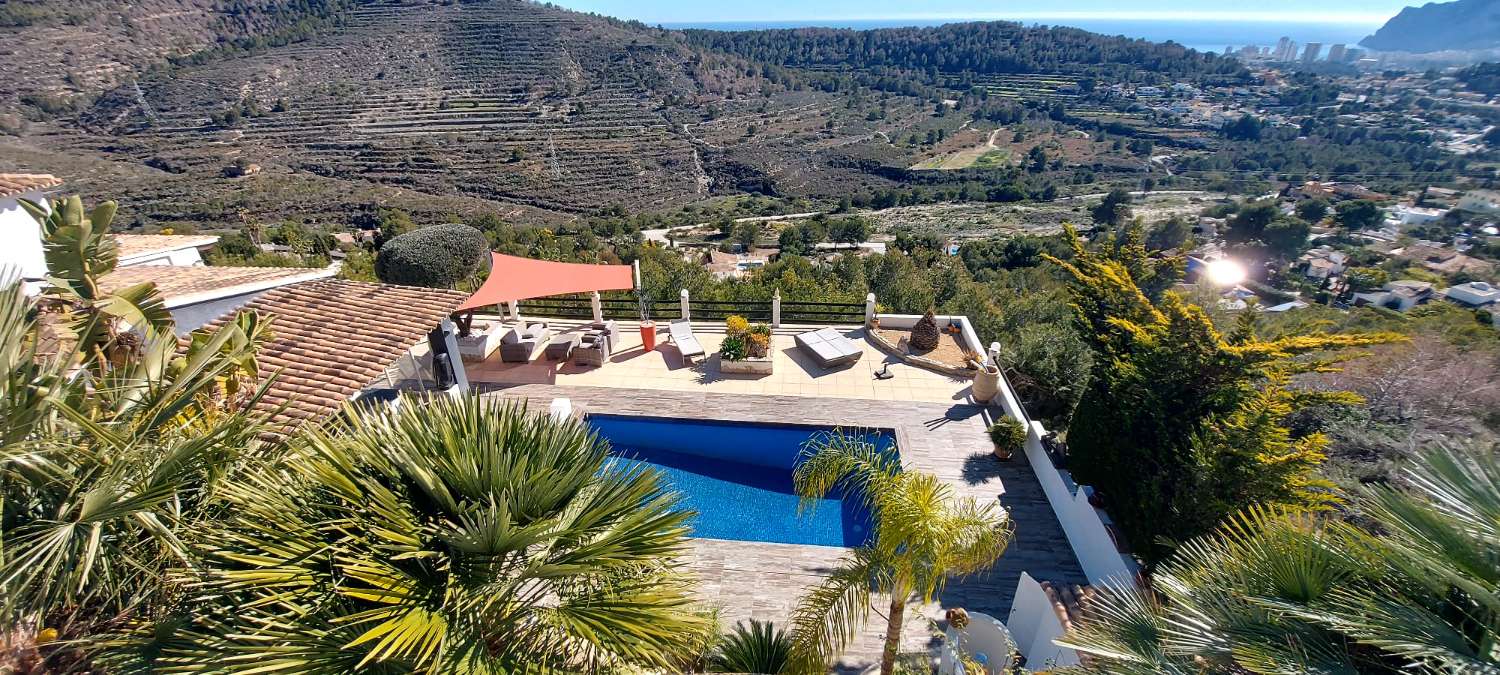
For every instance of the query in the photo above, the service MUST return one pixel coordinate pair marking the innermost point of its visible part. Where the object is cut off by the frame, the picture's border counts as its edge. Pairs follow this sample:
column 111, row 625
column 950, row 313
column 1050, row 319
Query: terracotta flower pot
column 986, row 384
column 648, row 335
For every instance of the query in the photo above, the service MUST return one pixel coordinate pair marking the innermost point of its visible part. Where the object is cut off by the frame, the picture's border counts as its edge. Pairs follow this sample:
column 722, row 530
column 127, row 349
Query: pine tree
column 1181, row 425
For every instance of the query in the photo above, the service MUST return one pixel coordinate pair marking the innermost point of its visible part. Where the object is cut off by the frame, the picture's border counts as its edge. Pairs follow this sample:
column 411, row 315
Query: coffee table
column 560, row 347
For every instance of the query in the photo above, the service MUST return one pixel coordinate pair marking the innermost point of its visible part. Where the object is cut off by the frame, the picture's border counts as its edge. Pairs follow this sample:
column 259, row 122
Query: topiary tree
column 924, row 335
column 439, row 256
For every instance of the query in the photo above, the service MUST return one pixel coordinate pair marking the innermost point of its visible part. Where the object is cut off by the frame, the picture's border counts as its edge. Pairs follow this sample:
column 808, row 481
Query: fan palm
column 1278, row 591
column 449, row 536
column 106, row 454
column 922, row 535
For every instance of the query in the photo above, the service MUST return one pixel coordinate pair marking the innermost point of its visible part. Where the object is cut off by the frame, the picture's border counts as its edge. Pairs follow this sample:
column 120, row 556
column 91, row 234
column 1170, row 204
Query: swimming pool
column 738, row 477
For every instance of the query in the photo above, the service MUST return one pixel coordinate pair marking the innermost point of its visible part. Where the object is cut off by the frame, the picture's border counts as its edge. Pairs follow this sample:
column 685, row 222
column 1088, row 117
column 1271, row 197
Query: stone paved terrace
column 794, row 374
column 947, row 439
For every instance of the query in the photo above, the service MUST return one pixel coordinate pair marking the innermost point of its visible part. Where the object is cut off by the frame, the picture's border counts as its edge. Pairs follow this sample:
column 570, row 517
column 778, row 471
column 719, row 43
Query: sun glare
column 1225, row 272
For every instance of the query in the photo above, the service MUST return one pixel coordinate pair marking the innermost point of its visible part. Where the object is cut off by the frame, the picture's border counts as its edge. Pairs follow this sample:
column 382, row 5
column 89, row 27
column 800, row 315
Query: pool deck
column 631, row 366
column 947, row 439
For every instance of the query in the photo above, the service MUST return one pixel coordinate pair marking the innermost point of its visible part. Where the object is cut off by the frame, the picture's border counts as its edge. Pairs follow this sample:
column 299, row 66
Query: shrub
column 924, row 335
column 758, row 648
column 1008, row 434
column 757, row 345
column 436, row 257
column 736, row 325
column 733, row 348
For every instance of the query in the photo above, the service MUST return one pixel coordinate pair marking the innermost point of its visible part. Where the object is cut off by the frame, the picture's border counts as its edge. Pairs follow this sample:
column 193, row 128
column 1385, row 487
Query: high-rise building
column 1336, row 54
column 1353, row 55
column 1310, row 54
column 1283, row 47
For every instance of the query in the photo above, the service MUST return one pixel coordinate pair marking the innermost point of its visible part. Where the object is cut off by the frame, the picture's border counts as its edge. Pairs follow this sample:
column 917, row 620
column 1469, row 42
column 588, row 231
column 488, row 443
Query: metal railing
column 774, row 311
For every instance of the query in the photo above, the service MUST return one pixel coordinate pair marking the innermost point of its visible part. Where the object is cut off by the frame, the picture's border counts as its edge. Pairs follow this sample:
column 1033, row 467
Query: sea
column 1211, row 36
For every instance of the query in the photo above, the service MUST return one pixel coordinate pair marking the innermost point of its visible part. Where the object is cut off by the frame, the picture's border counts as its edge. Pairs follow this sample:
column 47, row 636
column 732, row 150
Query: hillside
column 206, row 112
column 1435, row 27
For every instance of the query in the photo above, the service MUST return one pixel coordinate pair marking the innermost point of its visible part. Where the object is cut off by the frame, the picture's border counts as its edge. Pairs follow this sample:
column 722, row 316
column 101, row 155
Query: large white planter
column 985, row 639
column 751, row 366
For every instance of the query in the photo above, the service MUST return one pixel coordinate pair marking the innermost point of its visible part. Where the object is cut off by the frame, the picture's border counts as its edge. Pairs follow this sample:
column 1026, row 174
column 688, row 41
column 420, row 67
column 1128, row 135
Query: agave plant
column 1278, row 591
column 760, row 647
column 923, row 534
column 449, row 536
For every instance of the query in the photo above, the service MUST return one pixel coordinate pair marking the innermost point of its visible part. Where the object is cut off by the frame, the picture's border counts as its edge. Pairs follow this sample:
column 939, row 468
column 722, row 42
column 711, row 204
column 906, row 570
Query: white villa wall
column 1034, row 624
column 1083, row 524
column 21, row 237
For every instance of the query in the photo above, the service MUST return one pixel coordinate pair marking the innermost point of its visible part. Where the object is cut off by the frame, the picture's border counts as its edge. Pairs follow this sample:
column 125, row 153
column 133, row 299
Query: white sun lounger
column 682, row 336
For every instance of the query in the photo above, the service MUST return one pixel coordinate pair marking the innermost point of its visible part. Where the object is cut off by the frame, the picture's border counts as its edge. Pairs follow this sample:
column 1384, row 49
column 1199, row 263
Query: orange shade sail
column 513, row 278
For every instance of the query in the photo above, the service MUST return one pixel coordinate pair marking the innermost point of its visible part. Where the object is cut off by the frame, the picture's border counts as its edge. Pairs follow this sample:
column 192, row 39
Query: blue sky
column 1054, row 11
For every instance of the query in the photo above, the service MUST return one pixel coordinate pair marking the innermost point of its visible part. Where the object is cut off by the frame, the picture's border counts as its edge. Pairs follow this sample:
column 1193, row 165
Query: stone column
column 776, row 309
column 869, row 309
column 598, row 306
column 686, row 306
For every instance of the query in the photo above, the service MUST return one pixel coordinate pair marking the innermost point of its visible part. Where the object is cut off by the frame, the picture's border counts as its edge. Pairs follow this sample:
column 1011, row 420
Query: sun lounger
column 682, row 336
column 829, row 348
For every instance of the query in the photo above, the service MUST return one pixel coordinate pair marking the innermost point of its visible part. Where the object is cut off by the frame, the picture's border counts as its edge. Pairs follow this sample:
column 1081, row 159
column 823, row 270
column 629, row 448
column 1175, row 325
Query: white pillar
column 515, row 310
column 460, row 378
column 994, row 354
column 869, row 308
column 776, row 309
column 598, row 306
column 682, row 297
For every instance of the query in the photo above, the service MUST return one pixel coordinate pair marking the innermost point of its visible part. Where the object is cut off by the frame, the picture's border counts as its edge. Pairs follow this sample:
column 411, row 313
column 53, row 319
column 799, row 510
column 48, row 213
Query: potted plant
column 1008, row 436
column 746, row 348
column 648, row 327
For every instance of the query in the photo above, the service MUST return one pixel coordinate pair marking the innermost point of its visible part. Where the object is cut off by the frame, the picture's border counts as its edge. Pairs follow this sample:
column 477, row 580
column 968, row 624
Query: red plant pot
column 648, row 335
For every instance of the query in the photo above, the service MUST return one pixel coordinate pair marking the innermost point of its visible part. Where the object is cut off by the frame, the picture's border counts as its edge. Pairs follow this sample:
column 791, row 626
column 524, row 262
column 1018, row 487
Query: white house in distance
column 1412, row 216
column 1473, row 294
column 1481, row 201
column 20, row 236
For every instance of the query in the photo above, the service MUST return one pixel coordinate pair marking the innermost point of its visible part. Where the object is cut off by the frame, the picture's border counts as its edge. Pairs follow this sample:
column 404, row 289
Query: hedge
column 439, row 256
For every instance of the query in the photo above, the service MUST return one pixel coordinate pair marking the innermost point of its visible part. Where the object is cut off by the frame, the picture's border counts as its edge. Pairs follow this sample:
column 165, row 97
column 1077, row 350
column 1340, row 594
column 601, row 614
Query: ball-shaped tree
column 439, row 256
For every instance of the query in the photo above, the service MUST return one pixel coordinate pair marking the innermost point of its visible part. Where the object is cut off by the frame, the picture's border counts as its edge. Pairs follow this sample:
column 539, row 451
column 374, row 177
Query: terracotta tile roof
column 184, row 285
column 12, row 184
column 333, row 337
column 1069, row 601
column 135, row 245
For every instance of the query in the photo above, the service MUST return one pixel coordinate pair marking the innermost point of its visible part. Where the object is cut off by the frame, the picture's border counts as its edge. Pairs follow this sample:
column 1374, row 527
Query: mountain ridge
column 1435, row 27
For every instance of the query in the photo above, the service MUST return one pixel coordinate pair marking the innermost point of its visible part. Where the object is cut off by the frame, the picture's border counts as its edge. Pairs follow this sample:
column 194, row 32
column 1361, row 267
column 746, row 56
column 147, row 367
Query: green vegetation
column 923, row 534
column 759, row 647
column 1181, row 425
column 439, row 256
column 456, row 534
column 1279, row 591
column 1008, row 434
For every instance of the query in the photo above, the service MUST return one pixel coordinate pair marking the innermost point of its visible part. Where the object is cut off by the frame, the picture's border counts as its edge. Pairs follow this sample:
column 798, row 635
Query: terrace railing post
column 776, row 309
column 994, row 354
column 869, row 308
column 683, row 298
column 598, row 304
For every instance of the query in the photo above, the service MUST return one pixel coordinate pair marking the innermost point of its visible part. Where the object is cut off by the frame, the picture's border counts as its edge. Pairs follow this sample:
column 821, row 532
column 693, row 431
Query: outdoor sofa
column 829, row 347
column 522, row 343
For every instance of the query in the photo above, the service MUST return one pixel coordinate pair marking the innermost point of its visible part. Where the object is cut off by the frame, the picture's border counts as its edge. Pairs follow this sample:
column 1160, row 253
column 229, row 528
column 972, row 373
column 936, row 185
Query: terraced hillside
column 525, row 107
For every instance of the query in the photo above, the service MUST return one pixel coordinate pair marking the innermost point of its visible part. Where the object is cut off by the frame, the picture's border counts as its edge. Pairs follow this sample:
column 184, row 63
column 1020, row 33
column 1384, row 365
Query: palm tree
column 112, row 437
column 1278, row 591
column 923, row 534
column 759, row 647
column 447, row 536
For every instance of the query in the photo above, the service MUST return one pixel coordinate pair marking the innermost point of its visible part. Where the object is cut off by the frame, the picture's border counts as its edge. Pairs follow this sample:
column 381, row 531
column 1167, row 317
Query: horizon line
column 1361, row 18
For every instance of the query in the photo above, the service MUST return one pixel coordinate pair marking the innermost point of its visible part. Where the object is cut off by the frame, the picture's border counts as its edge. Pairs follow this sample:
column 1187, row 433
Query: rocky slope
column 1436, row 27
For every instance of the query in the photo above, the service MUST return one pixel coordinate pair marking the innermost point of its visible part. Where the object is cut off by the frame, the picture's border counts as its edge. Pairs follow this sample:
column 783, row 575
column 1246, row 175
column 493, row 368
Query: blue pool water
column 738, row 477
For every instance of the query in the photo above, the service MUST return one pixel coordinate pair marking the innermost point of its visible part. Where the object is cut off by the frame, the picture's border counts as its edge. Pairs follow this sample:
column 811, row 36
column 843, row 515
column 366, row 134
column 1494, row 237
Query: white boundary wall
column 1034, row 624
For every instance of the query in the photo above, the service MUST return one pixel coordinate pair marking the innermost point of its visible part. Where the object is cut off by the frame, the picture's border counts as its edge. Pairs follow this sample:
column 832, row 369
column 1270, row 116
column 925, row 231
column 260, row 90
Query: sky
column 1050, row 11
